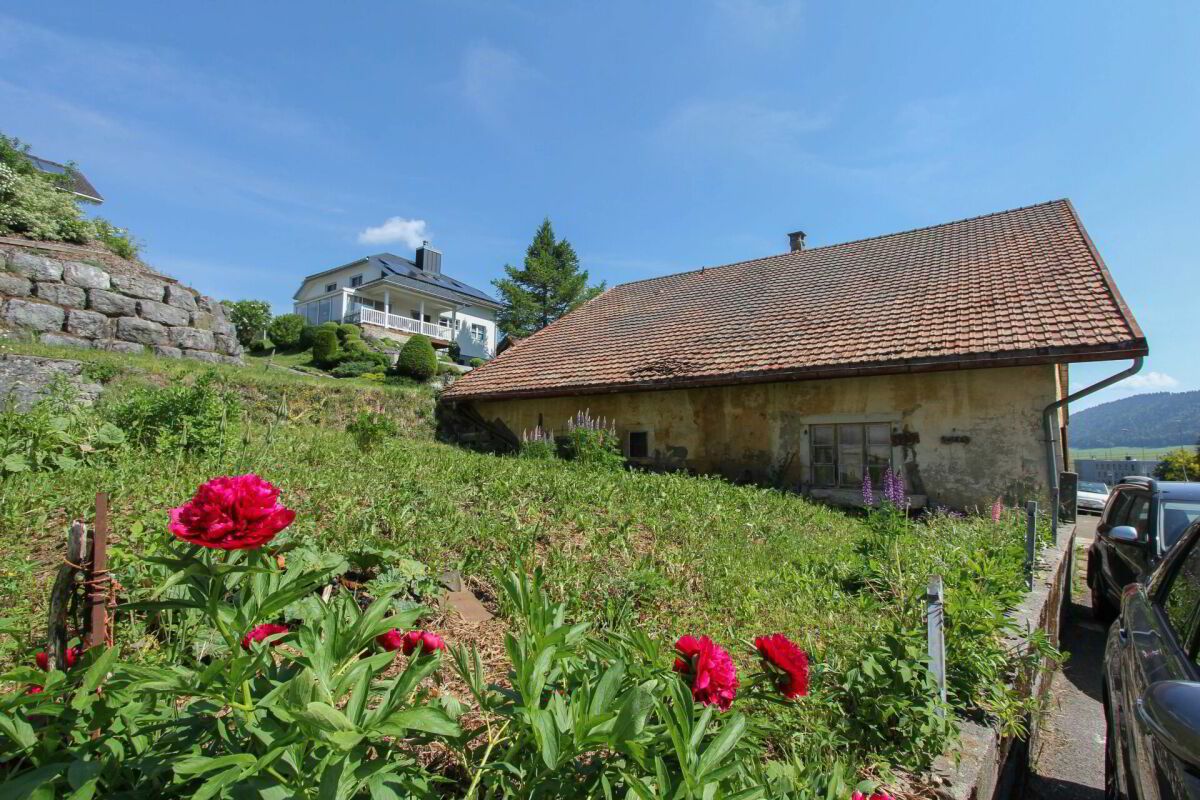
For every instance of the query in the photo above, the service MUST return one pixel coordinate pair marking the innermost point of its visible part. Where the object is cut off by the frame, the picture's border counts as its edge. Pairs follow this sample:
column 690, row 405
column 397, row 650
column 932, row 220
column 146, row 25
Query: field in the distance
column 1116, row 453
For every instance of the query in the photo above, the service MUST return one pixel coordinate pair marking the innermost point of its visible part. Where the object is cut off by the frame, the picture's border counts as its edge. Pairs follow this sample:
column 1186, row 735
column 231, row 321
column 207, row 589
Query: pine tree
column 548, row 285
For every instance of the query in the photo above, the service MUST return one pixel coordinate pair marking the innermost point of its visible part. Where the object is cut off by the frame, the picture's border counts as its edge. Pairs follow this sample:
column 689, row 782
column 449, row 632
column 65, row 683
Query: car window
column 1183, row 593
column 1139, row 515
column 1118, row 506
column 1095, row 488
column 1175, row 517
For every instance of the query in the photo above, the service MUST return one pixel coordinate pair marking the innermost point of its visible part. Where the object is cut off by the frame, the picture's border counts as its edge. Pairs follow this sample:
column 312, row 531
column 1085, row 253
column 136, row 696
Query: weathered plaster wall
column 760, row 431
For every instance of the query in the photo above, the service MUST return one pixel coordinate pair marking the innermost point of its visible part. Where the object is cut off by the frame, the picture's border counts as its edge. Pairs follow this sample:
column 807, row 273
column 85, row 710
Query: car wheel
column 1102, row 610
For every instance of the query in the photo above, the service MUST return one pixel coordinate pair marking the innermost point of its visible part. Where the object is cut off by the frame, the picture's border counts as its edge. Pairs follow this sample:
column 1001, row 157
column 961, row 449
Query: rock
column 202, row 320
column 88, row 324
column 62, row 295
column 180, row 297
column 168, row 352
column 14, row 285
column 163, row 313
column 235, row 360
column 35, row 316
column 142, row 331
column 62, row 340
column 224, row 328
column 139, row 286
column 37, row 268
column 191, row 338
column 28, row 379
column 111, row 303
column 227, row 344
column 85, row 276
column 202, row 355
column 120, row 347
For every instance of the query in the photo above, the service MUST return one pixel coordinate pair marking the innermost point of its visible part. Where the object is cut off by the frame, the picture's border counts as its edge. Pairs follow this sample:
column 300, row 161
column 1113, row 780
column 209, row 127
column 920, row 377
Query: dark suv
column 1140, row 523
column 1151, row 694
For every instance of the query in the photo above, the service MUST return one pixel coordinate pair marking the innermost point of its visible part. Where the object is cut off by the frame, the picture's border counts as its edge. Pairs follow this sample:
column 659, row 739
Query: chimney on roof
column 796, row 241
column 428, row 259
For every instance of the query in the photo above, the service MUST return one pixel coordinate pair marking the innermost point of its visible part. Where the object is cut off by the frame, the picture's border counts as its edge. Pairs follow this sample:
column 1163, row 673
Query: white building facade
column 393, row 297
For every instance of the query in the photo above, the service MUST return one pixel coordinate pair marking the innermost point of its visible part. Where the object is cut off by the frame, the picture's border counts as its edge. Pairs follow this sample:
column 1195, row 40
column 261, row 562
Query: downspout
column 1050, row 427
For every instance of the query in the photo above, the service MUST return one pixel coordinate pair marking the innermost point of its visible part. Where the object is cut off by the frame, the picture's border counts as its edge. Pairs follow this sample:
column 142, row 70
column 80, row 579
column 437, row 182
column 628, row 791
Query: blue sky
column 250, row 144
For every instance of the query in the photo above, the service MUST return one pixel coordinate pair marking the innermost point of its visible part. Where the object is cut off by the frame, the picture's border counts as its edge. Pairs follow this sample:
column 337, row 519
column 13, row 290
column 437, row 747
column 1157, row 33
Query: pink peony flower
column 780, row 652
column 43, row 658
column 420, row 642
column 857, row 795
column 233, row 512
column 260, row 632
column 34, row 689
column 709, row 670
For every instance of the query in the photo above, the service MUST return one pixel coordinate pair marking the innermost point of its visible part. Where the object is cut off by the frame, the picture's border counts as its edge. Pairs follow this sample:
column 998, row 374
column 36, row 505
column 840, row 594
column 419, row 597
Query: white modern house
column 393, row 297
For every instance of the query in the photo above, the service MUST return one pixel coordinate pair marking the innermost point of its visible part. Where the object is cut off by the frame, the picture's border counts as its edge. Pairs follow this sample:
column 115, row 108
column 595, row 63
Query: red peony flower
column 233, row 512
column 34, row 689
column 709, row 669
column 260, row 632
column 43, row 658
column 779, row 652
column 421, row 642
column 391, row 640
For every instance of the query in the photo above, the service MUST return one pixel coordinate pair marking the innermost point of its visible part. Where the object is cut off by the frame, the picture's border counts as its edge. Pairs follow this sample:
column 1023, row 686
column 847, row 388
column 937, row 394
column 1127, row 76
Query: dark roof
column 1016, row 287
column 76, row 182
column 403, row 272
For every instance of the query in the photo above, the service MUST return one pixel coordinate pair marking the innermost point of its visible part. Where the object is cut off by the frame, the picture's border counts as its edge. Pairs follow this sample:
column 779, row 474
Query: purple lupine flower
column 997, row 509
column 868, row 495
column 893, row 488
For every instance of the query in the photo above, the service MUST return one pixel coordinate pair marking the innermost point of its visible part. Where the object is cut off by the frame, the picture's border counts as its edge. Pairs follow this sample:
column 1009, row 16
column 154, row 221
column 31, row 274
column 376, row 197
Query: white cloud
column 758, row 22
column 1149, row 382
column 411, row 232
column 490, row 80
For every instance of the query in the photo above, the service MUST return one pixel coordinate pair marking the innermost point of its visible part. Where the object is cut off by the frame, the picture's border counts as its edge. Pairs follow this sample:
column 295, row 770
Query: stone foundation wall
column 64, row 297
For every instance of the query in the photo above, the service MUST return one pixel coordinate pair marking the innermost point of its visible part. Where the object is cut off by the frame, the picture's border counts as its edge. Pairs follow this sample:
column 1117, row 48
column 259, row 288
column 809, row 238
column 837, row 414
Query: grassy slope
column 674, row 553
column 1139, row 453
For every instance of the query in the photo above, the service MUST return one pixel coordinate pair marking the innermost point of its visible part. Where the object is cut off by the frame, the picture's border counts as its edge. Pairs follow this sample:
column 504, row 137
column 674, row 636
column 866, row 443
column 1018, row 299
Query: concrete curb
column 985, row 765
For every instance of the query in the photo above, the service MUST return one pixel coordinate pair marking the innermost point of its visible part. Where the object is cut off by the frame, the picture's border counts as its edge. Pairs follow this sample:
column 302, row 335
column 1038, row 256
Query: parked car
column 1091, row 496
column 1143, row 518
column 1151, row 683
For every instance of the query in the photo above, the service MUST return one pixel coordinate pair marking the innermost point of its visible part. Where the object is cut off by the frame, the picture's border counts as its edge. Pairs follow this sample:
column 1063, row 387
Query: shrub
column 250, row 318
column 325, row 348
column 57, row 433
column 286, row 331
column 593, row 441
column 101, row 371
column 347, row 332
column 369, row 429
column 475, row 363
column 189, row 418
column 306, row 337
column 417, row 359
column 538, row 444
column 353, row 369
column 454, row 351
column 118, row 240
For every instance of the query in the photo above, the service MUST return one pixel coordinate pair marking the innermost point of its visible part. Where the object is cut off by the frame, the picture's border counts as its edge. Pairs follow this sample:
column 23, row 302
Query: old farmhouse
column 941, row 352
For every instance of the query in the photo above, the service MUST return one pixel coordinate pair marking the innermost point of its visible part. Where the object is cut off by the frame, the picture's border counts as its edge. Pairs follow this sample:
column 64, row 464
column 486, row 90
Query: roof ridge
column 975, row 218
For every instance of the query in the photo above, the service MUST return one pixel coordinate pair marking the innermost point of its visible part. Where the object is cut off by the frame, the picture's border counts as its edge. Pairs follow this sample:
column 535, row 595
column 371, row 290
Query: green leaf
column 327, row 717
column 427, row 719
column 724, row 742
column 15, row 462
column 631, row 719
column 606, row 689
column 214, row 785
column 99, row 670
column 25, row 784
column 546, row 734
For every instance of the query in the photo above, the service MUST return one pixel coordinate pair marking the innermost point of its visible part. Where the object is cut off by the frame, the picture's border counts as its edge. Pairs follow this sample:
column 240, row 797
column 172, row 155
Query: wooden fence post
column 98, row 583
column 1031, row 511
column 935, row 619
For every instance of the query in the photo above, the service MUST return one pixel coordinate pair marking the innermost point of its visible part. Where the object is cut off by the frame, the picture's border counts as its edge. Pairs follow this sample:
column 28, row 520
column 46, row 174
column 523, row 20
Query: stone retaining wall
column 67, row 298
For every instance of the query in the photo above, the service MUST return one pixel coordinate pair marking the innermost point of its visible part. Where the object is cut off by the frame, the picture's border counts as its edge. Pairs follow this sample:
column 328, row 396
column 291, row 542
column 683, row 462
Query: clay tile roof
column 1016, row 287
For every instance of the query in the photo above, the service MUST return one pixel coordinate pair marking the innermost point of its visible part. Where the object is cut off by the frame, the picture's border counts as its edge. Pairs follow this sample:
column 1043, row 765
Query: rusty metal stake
column 98, row 583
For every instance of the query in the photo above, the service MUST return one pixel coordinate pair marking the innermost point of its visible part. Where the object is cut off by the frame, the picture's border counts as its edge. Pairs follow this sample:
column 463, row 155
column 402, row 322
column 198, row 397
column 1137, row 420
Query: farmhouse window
column 356, row 280
column 478, row 333
column 840, row 453
column 639, row 444
column 331, row 287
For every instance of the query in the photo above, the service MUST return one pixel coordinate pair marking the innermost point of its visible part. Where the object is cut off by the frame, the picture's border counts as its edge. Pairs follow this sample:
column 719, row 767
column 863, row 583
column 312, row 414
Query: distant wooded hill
column 1144, row 420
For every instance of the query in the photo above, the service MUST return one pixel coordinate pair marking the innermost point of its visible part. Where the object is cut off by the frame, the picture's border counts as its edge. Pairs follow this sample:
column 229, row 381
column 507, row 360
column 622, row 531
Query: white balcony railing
column 370, row 316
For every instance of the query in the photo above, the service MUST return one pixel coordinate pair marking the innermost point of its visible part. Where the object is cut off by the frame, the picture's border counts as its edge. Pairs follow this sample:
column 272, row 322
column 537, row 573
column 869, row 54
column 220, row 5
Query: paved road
column 1069, row 762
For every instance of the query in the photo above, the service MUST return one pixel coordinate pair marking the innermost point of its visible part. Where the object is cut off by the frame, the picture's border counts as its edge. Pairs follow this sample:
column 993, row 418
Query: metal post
column 1031, row 510
column 935, row 618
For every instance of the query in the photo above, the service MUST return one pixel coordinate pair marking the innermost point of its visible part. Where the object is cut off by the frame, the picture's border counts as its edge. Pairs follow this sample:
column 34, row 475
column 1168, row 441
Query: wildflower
column 260, row 632
column 709, row 670
column 233, row 512
column 34, row 689
column 42, row 659
column 868, row 495
column 784, row 656
column 997, row 510
column 413, row 641
column 893, row 488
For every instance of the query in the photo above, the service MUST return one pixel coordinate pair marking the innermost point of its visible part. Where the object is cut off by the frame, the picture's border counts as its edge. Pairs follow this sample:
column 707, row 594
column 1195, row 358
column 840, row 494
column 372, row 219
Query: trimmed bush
column 353, row 369
column 286, row 330
column 475, row 363
column 306, row 337
column 325, row 348
column 417, row 359
column 348, row 332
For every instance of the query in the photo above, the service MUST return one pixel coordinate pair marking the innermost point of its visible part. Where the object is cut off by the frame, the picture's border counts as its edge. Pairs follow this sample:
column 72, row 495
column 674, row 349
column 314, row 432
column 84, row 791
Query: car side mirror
column 1124, row 533
column 1170, row 712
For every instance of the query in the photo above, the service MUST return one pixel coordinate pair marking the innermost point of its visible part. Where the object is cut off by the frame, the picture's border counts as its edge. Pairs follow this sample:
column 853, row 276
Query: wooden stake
column 98, row 585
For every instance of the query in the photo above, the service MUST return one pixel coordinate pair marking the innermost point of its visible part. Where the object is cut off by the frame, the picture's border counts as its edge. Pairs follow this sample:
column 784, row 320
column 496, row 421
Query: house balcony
column 441, row 334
